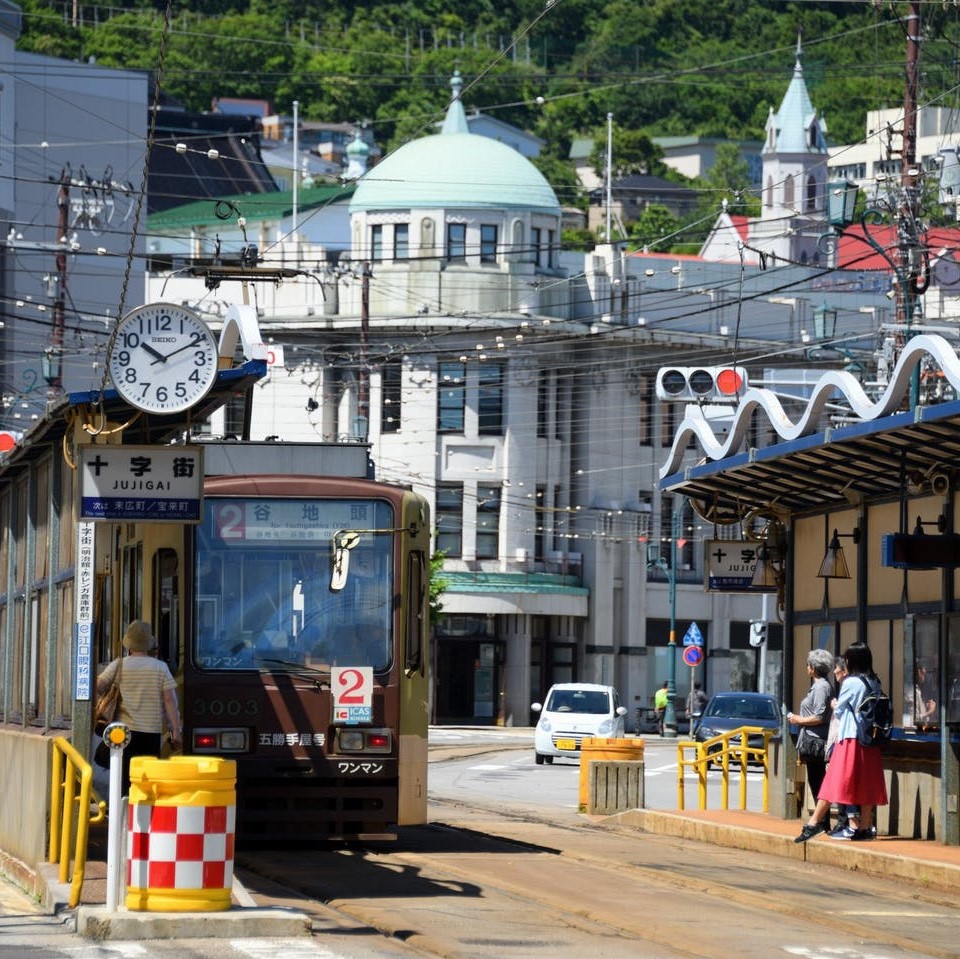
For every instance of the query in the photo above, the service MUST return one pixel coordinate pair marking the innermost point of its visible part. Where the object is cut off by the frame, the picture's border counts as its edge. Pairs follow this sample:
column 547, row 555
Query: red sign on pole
column 693, row 655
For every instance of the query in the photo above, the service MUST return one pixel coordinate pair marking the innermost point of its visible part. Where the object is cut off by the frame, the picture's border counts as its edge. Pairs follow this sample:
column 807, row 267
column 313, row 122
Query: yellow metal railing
column 72, row 804
column 729, row 747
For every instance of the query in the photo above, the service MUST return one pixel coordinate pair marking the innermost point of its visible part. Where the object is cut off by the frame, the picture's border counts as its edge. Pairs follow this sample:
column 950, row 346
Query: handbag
column 101, row 755
column 108, row 704
column 810, row 748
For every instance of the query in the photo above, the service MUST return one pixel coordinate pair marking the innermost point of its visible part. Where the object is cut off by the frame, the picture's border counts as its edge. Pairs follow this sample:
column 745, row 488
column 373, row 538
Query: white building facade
column 516, row 391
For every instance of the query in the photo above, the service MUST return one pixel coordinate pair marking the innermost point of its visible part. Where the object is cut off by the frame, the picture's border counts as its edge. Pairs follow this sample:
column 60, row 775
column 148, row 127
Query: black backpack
column 874, row 715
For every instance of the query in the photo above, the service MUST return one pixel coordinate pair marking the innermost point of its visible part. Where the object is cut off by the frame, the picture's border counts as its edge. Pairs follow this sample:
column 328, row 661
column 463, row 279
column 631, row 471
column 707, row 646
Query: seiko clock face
column 163, row 359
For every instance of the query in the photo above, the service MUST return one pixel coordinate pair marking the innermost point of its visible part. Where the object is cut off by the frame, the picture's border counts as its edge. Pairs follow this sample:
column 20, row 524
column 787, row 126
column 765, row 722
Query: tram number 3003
column 225, row 707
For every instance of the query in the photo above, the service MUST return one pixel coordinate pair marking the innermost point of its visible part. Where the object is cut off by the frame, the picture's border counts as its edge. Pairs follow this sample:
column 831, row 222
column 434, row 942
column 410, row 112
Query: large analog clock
column 163, row 358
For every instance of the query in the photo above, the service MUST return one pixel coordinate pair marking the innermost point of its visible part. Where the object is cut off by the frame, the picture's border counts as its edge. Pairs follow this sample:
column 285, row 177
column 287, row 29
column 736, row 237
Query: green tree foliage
column 563, row 179
column 632, row 152
column 729, row 179
column 654, row 231
column 438, row 585
column 661, row 67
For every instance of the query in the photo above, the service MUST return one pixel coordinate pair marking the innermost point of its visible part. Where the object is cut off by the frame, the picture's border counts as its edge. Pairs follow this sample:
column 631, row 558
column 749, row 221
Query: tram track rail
column 512, row 879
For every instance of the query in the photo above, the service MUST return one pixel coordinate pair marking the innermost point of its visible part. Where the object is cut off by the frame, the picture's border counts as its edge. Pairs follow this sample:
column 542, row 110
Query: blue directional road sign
column 693, row 636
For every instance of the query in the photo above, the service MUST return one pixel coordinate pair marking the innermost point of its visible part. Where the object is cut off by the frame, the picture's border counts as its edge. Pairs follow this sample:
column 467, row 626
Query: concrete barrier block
column 615, row 786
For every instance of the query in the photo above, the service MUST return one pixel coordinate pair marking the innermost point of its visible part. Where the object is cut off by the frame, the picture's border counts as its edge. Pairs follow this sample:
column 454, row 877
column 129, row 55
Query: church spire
column 796, row 126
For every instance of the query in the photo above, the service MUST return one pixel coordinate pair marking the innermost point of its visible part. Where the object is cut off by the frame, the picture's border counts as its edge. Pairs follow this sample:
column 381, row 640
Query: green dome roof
column 455, row 170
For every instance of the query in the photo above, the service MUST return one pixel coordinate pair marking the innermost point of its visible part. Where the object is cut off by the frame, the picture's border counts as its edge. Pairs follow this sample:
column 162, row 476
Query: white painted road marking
column 283, row 949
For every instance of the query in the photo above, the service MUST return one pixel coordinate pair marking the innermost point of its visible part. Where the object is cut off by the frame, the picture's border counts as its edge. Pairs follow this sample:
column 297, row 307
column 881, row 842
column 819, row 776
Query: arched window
column 788, row 191
column 811, row 192
column 769, row 191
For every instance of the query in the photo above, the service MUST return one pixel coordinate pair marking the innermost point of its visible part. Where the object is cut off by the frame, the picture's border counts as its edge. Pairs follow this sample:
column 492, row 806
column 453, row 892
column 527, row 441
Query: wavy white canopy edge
column 695, row 424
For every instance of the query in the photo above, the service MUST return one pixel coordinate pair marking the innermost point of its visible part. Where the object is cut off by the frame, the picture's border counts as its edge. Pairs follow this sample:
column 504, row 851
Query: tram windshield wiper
column 295, row 665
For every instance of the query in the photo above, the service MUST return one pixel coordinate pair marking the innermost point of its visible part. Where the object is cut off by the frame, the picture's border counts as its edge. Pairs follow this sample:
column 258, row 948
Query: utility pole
column 909, row 257
column 609, row 237
column 363, row 390
column 53, row 365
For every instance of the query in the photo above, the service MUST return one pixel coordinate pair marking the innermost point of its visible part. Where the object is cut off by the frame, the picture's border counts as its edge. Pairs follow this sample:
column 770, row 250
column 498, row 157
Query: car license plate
column 566, row 744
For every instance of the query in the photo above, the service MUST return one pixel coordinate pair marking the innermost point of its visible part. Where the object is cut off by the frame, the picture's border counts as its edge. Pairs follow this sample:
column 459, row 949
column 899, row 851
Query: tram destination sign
column 152, row 484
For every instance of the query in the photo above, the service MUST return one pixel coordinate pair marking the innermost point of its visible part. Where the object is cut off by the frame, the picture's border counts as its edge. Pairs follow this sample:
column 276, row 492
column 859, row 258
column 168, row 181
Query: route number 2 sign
column 352, row 688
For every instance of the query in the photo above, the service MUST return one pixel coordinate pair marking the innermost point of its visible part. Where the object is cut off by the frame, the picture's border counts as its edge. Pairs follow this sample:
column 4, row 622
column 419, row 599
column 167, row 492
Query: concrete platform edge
column 94, row 922
column 869, row 858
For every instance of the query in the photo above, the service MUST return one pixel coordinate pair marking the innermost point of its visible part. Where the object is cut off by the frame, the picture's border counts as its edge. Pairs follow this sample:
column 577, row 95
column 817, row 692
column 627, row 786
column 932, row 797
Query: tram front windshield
column 263, row 585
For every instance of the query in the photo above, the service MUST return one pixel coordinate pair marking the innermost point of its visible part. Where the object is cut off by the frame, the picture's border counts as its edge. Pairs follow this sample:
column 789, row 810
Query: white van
column 573, row 712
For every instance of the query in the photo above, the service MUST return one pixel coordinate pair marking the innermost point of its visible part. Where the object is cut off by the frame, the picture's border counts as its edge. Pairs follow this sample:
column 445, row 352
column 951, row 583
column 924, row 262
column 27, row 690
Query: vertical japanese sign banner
column 84, row 587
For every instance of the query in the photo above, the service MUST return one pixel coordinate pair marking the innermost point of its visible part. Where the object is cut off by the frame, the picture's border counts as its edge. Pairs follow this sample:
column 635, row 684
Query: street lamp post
column 655, row 560
column 670, row 715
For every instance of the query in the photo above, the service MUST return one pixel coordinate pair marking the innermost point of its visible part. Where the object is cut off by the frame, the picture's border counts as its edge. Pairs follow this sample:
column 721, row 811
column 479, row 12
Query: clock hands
column 193, row 344
column 160, row 358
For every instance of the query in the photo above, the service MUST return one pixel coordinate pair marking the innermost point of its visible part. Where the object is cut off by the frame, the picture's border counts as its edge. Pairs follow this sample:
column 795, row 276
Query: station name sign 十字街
column 141, row 483
column 730, row 565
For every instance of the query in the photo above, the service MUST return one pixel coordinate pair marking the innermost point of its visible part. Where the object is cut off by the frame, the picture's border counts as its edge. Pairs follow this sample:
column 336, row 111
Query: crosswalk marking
column 283, row 949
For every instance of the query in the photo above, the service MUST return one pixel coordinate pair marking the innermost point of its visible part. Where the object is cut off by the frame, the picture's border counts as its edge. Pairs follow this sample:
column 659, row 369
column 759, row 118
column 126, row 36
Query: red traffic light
column 729, row 381
column 701, row 384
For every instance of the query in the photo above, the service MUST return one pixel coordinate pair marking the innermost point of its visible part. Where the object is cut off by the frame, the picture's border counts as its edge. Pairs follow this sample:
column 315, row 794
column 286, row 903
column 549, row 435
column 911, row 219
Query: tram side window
column 953, row 670
column 921, row 672
column 413, row 658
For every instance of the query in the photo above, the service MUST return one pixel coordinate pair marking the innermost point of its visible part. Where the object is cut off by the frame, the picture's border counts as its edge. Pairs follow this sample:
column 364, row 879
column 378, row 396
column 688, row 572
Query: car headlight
column 605, row 728
column 544, row 724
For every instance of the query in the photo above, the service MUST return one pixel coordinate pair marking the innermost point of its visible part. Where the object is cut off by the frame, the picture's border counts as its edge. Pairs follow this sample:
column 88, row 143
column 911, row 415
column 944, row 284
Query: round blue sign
column 693, row 655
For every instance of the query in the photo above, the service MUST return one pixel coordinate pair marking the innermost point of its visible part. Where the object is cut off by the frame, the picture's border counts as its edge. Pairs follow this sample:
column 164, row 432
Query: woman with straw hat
column 148, row 696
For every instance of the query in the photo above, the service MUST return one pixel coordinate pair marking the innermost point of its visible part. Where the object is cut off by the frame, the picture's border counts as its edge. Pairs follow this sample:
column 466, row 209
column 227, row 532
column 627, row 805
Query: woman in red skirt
column 855, row 773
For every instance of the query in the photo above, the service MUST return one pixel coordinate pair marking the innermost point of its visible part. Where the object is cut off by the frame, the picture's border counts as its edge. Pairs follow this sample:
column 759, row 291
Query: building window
column 490, row 404
column 788, row 191
column 769, row 191
column 670, row 417
column 543, row 403
column 390, row 375
column 648, row 409
column 811, row 193
column 401, row 241
column 234, row 415
column 551, row 248
column 488, row 243
column 540, row 523
column 562, row 404
column 451, row 396
column 376, row 242
column 559, row 522
column 488, row 522
column 457, row 241
column 536, row 239
column 450, row 518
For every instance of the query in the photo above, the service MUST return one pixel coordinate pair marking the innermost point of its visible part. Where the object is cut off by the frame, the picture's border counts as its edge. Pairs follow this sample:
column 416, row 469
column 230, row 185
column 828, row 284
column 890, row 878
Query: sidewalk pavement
column 930, row 868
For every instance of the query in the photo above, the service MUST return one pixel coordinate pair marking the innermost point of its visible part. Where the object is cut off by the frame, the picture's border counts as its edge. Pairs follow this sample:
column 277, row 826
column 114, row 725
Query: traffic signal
column 701, row 384
column 758, row 632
